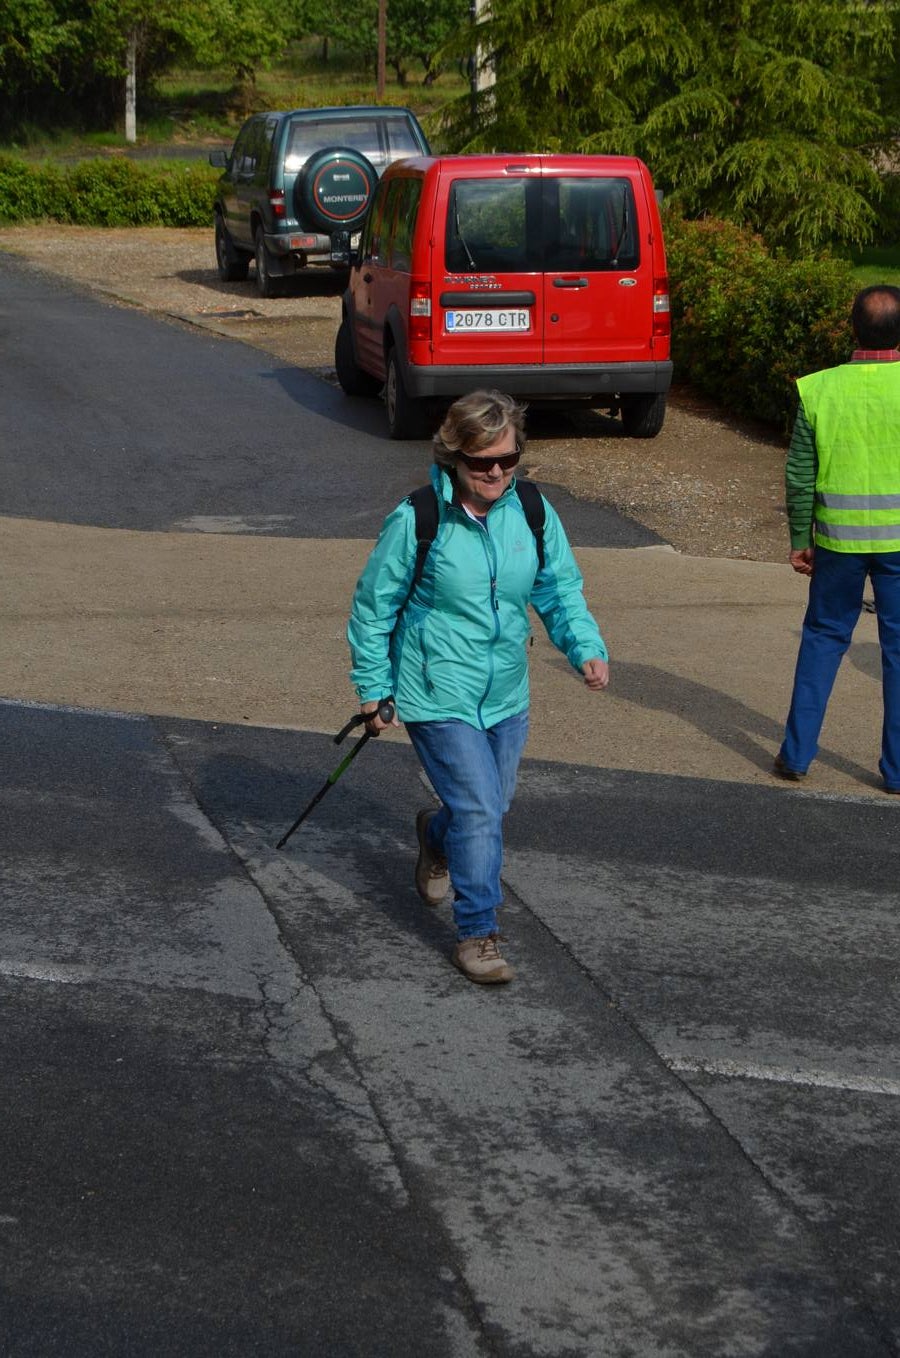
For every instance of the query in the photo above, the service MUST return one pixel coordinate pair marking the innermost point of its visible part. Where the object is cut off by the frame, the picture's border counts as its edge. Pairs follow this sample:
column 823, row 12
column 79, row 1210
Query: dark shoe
column 432, row 877
column 480, row 960
column 894, row 791
column 782, row 770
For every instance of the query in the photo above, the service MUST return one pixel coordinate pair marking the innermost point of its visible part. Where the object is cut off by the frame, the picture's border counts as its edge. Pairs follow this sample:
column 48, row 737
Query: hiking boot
column 781, row 769
column 432, row 877
column 480, row 959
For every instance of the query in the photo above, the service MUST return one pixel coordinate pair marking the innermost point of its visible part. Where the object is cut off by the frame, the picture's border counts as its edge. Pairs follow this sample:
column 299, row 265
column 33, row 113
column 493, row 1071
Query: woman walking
column 448, row 640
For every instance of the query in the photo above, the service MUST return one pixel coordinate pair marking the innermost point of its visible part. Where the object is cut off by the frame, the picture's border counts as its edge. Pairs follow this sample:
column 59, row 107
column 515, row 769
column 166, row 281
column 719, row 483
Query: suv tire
column 332, row 174
column 234, row 264
column 406, row 417
column 643, row 416
column 353, row 380
column 266, row 285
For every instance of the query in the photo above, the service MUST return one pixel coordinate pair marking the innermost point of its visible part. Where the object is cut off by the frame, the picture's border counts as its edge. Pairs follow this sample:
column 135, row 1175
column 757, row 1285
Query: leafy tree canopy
column 764, row 112
column 67, row 57
column 416, row 30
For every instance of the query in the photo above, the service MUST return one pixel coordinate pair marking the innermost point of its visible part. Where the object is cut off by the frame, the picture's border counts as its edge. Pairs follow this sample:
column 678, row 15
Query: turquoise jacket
column 457, row 646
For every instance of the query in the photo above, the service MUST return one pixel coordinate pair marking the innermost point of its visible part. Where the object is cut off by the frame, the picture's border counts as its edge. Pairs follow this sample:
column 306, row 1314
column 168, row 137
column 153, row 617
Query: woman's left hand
column 596, row 674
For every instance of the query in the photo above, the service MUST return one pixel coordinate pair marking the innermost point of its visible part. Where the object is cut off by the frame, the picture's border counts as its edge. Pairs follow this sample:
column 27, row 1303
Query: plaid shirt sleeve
column 800, row 482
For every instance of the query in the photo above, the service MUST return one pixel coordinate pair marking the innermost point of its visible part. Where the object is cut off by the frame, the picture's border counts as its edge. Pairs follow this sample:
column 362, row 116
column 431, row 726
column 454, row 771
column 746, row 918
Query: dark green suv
column 298, row 185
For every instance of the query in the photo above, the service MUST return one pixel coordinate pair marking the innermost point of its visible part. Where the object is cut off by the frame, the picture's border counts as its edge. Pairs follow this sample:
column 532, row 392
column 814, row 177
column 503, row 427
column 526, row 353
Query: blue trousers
column 835, row 599
column 474, row 774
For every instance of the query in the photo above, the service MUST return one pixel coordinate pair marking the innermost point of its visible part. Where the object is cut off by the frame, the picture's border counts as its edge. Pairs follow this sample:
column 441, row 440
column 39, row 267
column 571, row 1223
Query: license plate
column 471, row 321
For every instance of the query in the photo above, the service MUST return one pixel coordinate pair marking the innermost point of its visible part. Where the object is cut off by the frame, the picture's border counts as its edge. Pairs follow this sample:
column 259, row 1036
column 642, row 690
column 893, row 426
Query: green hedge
column 107, row 192
column 746, row 324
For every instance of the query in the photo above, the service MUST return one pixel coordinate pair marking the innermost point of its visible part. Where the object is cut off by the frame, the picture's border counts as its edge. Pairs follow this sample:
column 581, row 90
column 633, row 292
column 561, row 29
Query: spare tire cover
column 335, row 188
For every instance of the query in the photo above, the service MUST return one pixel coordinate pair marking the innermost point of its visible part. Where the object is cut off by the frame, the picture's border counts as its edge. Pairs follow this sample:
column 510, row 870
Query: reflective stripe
column 858, row 532
column 831, row 501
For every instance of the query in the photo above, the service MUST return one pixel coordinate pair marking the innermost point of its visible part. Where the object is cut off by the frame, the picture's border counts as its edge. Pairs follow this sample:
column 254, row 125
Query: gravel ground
column 708, row 484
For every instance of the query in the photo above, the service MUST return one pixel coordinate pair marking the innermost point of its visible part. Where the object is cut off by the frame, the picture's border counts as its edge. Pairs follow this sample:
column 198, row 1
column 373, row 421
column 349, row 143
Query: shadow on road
column 314, row 283
column 718, row 716
column 866, row 657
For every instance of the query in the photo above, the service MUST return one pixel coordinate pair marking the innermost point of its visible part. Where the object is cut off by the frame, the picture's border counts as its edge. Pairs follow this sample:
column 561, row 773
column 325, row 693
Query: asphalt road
column 111, row 419
column 248, row 1106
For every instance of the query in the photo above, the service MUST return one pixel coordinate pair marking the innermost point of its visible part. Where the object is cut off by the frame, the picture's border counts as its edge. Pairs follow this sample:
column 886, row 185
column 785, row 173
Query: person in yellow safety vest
column 843, row 499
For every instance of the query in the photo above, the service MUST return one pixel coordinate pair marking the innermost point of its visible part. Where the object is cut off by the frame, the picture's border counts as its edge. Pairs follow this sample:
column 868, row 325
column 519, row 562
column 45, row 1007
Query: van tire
column 406, row 417
column 313, row 180
column 266, row 285
column 353, row 380
column 234, row 264
column 643, row 416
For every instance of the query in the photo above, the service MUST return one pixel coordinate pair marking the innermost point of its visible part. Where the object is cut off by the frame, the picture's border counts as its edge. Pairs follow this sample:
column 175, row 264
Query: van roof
column 510, row 161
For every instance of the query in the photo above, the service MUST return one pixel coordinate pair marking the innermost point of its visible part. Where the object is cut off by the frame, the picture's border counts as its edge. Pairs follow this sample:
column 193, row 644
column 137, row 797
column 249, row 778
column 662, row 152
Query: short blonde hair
column 476, row 421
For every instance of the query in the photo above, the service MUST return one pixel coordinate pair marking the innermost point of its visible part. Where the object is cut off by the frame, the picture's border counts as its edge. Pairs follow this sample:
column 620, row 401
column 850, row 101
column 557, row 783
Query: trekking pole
column 386, row 712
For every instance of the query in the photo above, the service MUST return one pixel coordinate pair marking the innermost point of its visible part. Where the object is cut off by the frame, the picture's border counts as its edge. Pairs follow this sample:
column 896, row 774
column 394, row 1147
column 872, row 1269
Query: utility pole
column 382, row 42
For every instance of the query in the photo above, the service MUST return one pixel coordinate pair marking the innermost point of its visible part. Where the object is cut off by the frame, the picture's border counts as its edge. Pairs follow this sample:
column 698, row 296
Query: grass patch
column 877, row 264
column 206, row 103
column 188, row 105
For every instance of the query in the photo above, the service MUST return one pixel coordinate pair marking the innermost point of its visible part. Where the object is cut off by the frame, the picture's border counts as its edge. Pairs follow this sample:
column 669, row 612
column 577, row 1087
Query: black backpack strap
column 533, row 505
column 424, row 502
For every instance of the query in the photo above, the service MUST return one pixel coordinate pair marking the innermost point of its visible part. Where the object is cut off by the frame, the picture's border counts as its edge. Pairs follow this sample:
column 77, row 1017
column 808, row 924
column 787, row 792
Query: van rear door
column 598, row 288
column 486, row 280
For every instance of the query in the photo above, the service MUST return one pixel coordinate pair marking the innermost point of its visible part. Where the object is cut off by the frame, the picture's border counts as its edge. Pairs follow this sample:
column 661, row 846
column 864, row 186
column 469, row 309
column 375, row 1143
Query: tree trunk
column 131, row 88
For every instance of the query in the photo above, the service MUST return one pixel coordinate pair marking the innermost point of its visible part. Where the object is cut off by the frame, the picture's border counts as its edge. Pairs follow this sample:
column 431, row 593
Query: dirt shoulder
column 708, row 484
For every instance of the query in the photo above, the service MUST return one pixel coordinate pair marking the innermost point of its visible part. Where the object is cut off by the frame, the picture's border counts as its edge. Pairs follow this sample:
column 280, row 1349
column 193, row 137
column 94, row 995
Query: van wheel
column 643, row 416
column 266, row 285
column 234, row 264
column 406, row 416
column 353, row 380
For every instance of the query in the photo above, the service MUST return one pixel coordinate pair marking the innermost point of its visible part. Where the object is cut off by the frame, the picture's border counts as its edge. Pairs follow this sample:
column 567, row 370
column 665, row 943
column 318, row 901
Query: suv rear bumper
column 289, row 251
column 545, row 379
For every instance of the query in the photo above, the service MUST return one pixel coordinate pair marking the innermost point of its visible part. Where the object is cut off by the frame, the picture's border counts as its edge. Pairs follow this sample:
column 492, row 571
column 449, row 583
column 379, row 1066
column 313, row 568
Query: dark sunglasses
column 505, row 461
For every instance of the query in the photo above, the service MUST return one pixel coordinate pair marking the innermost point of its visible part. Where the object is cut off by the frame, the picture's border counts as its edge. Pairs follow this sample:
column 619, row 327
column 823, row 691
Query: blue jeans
column 835, row 599
column 474, row 774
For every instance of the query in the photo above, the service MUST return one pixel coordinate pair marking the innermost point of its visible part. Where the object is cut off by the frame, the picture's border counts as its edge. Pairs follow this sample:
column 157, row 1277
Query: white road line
column 78, row 711
column 787, row 1075
column 60, row 973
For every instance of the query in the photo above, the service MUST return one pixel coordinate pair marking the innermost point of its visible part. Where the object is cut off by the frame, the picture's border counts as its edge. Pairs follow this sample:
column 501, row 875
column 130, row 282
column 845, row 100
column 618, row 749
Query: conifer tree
column 767, row 112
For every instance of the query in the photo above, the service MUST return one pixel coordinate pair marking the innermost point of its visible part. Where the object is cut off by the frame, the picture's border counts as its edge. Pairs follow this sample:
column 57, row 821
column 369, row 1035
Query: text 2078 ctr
column 457, row 321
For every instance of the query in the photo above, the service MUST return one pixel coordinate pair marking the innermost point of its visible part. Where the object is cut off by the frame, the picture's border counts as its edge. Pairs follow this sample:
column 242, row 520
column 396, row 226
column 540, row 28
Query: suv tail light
column 662, row 321
column 276, row 200
column 419, row 310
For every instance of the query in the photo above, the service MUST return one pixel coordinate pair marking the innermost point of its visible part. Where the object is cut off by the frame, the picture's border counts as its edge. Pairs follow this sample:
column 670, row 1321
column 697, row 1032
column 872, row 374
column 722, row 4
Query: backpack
column 425, row 503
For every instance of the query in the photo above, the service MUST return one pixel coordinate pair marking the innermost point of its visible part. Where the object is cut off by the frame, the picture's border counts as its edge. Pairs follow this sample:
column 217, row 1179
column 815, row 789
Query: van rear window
column 555, row 224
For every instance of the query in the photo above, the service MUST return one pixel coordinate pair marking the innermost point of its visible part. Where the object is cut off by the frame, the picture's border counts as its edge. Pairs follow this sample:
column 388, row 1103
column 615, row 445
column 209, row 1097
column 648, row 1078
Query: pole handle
column 385, row 711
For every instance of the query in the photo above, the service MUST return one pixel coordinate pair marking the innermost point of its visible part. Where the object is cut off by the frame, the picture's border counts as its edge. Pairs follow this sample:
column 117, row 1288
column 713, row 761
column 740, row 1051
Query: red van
column 544, row 276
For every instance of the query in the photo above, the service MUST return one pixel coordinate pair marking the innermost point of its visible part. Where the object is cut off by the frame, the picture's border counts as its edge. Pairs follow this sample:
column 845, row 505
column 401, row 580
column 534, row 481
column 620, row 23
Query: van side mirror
column 218, row 159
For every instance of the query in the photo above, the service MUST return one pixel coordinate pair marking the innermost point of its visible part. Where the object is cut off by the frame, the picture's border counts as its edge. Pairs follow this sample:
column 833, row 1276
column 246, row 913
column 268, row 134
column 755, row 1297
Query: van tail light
column 419, row 310
column 276, row 201
column 662, row 320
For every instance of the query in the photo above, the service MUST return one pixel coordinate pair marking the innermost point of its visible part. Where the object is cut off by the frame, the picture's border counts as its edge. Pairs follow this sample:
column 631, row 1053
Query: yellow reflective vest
column 854, row 413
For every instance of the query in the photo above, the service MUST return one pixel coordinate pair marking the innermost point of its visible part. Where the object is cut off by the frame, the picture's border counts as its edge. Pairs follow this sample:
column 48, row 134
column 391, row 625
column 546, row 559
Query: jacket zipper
column 491, row 559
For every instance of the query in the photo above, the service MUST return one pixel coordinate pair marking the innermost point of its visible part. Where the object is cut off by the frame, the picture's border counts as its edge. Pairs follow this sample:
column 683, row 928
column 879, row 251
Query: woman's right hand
column 376, row 725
